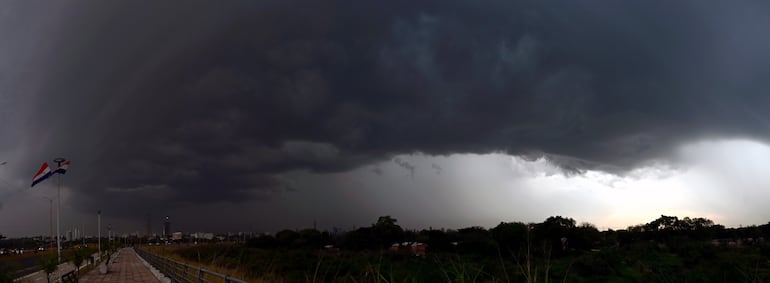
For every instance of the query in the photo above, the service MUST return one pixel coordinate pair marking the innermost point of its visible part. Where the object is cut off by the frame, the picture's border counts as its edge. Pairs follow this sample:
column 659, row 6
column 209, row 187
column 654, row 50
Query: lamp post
column 50, row 220
column 99, row 231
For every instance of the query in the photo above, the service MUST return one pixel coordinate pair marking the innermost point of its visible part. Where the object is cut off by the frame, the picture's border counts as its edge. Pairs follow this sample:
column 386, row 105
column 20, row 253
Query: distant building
column 203, row 236
column 415, row 248
column 166, row 228
column 176, row 236
column 149, row 225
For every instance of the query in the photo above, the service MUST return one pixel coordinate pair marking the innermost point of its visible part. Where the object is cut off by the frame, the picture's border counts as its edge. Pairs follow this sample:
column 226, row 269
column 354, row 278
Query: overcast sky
column 261, row 115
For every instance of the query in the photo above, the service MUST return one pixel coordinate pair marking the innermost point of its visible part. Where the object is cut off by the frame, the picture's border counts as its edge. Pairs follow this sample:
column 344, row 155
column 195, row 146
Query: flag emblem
column 62, row 169
column 41, row 174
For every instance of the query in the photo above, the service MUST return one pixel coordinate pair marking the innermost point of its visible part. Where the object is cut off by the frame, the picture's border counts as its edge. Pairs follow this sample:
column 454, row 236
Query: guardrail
column 182, row 272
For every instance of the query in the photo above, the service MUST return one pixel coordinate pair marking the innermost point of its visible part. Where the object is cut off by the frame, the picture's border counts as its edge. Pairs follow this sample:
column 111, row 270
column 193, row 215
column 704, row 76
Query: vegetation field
column 667, row 249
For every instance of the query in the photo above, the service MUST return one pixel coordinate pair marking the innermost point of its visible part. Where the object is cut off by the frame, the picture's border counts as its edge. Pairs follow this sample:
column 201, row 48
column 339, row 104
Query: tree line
column 667, row 249
column 556, row 234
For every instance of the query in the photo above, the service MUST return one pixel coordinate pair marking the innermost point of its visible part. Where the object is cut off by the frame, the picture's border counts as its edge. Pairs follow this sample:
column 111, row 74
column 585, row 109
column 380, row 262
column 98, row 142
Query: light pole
column 99, row 231
column 50, row 220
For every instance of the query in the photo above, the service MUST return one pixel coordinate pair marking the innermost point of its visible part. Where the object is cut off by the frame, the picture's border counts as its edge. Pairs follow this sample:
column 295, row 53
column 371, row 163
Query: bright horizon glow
column 711, row 179
column 705, row 179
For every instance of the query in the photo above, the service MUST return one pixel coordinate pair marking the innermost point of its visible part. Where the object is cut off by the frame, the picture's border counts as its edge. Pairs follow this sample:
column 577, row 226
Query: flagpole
column 58, row 207
column 50, row 222
column 58, row 215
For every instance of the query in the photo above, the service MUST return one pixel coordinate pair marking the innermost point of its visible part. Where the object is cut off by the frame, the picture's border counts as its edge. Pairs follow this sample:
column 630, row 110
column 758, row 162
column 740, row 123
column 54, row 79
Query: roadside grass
column 171, row 252
column 285, row 265
column 638, row 262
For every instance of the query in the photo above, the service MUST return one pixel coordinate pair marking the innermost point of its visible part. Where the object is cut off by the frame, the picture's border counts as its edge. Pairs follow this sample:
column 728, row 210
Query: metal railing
column 182, row 272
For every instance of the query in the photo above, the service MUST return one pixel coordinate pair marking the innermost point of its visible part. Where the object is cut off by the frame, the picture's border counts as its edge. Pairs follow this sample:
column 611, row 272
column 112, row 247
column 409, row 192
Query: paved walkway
column 125, row 268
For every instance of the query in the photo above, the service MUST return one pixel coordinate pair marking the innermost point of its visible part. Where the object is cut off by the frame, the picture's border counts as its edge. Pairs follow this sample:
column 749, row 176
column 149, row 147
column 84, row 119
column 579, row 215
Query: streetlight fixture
column 99, row 231
column 50, row 220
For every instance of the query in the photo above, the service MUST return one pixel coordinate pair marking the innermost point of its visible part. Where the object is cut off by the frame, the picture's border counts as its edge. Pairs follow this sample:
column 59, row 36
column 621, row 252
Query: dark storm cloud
column 171, row 103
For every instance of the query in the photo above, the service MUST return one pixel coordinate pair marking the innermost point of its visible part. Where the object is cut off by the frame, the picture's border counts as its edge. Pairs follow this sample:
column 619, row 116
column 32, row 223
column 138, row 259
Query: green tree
column 77, row 259
column 312, row 238
column 510, row 236
column 385, row 221
column 476, row 240
column 664, row 223
column 584, row 237
column 563, row 222
column 263, row 242
column 437, row 240
column 387, row 231
column 554, row 233
column 286, row 237
column 6, row 273
column 48, row 265
column 359, row 239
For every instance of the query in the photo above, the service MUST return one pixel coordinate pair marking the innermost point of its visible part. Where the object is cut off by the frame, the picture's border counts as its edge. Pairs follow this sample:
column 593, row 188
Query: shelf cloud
column 178, row 104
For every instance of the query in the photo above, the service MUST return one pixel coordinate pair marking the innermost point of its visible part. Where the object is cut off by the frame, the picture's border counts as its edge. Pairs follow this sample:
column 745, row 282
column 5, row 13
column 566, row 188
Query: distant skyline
column 263, row 115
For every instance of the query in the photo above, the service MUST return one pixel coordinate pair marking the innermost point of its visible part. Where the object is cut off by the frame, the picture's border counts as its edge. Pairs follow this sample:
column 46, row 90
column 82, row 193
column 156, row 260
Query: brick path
column 126, row 268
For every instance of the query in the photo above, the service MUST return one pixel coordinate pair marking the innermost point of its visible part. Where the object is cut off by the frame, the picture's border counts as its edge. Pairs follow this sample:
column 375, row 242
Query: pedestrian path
column 125, row 268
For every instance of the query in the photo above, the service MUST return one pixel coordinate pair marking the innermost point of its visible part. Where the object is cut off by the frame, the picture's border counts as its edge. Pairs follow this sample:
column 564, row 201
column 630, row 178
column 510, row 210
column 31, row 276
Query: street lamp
column 99, row 231
column 50, row 220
